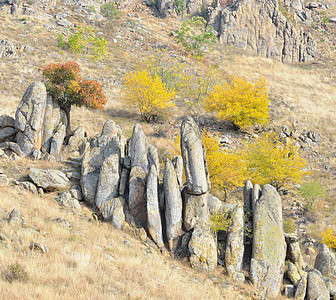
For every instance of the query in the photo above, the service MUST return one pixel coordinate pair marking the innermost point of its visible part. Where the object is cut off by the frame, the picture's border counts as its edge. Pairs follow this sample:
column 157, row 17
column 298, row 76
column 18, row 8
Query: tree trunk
column 67, row 110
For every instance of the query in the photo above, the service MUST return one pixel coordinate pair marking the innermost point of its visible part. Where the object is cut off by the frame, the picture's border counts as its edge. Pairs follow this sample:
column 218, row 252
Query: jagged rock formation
column 260, row 27
column 122, row 179
column 39, row 121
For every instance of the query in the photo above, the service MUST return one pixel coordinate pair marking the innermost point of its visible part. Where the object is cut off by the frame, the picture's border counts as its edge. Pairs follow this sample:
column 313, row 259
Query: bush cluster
column 84, row 41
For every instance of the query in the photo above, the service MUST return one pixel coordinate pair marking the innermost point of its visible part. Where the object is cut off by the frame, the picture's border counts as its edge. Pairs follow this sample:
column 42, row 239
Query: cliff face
column 260, row 27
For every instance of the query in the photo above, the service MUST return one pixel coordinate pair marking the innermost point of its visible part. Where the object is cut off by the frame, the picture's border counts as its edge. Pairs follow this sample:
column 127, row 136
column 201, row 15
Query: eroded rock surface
column 269, row 246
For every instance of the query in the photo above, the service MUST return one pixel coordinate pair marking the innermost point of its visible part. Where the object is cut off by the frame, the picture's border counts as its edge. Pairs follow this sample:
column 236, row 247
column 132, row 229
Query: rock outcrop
column 269, row 246
column 108, row 148
column 29, row 118
column 260, row 27
column 40, row 122
column 153, row 211
column 194, row 158
column 173, row 205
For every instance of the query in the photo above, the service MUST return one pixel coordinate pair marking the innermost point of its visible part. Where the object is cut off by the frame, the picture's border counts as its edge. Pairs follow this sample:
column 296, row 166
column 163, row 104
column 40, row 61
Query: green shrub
column 61, row 42
column 289, row 226
column 15, row 272
column 180, row 6
column 110, row 11
column 194, row 35
column 313, row 190
column 325, row 19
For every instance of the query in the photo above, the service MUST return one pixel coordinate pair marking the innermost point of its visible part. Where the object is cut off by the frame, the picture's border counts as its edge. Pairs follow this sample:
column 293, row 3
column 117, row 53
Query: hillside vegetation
column 89, row 258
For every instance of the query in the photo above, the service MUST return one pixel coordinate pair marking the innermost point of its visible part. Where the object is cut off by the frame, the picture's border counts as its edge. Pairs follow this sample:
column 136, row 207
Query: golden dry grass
column 90, row 259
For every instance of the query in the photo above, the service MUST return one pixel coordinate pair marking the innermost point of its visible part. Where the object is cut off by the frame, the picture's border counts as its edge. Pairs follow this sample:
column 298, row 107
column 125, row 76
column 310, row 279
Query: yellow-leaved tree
column 148, row 93
column 270, row 161
column 226, row 170
column 240, row 101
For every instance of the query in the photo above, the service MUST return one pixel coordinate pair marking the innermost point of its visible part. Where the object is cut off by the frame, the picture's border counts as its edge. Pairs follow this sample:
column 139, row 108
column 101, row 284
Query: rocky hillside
column 108, row 213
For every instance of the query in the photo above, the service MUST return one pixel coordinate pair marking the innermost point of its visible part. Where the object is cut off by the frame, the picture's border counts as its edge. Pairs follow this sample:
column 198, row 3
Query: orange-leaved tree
column 66, row 85
column 240, row 101
column 148, row 93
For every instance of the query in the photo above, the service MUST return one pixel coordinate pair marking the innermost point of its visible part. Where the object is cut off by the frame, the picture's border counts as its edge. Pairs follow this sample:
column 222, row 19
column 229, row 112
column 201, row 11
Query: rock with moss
column 301, row 287
column 234, row 251
column 325, row 262
column 269, row 246
column 29, row 118
column 203, row 248
column 173, row 205
column 293, row 273
column 316, row 288
column 194, row 158
column 153, row 211
column 293, row 250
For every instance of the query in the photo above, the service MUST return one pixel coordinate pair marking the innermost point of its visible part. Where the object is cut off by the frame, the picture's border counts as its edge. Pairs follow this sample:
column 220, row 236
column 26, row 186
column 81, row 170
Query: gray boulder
column 153, row 211
column 194, row 158
column 293, row 273
column 173, row 205
column 325, row 262
column 6, row 121
column 113, row 211
column 57, row 140
column 91, row 164
column 53, row 119
column 29, row 118
column 316, row 288
column 203, row 248
column 3, row 180
column 269, row 246
column 65, row 199
column 195, row 210
column 29, row 186
column 77, row 140
column 137, row 196
column 49, row 180
column 7, row 133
